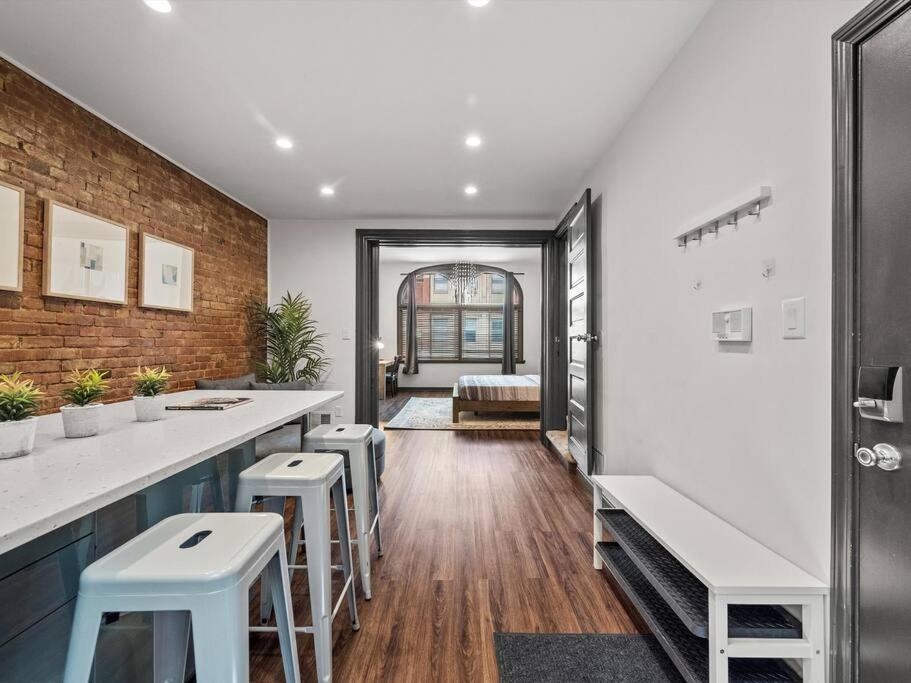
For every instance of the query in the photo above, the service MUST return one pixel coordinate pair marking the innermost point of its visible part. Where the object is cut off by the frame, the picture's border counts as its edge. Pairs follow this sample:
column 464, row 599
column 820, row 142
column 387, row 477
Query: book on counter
column 213, row 403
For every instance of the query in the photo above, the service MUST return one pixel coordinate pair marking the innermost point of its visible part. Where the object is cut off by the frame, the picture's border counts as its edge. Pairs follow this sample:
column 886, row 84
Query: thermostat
column 735, row 325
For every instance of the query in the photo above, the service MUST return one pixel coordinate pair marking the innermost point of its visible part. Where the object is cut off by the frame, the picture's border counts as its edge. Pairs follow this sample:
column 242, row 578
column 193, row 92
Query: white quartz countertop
column 65, row 479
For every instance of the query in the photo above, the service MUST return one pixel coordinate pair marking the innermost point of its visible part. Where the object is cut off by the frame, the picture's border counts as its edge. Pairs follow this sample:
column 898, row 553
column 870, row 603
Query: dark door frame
column 846, row 75
column 369, row 242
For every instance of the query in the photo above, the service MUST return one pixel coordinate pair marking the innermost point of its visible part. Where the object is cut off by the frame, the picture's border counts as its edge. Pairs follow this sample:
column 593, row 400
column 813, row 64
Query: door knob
column 885, row 456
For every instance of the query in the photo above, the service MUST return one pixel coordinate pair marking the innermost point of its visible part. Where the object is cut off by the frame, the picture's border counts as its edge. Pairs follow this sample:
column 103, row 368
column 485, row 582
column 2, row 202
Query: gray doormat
column 582, row 657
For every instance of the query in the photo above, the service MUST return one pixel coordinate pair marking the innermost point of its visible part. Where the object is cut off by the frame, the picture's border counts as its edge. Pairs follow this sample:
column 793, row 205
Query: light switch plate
column 346, row 333
column 794, row 318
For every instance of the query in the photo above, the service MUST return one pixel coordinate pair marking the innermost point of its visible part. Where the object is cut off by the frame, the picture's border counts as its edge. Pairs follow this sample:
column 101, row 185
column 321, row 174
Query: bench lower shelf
column 688, row 652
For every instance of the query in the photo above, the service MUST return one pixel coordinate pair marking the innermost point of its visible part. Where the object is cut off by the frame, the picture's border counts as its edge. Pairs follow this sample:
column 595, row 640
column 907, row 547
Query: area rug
column 582, row 657
column 436, row 413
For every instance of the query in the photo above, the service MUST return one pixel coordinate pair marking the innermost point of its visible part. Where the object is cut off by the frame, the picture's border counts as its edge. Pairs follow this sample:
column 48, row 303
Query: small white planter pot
column 17, row 437
column 81, row 421
column 149, row 408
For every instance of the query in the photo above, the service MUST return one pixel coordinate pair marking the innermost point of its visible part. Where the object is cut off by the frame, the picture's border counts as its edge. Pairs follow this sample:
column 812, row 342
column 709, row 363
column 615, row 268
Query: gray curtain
column 509, row 333
column 411, row 339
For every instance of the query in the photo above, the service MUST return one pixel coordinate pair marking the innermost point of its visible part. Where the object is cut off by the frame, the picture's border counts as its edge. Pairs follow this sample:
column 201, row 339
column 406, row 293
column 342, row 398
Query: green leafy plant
column 86, row 386
column 294, row 349
column 150, row 381
column 18, row 397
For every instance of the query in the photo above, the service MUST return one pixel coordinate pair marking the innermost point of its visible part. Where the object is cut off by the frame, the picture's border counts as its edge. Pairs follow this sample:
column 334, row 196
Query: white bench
column 685, row 546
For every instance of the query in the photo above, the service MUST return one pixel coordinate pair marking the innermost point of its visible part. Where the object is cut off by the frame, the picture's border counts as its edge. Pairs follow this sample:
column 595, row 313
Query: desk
column 72, row 500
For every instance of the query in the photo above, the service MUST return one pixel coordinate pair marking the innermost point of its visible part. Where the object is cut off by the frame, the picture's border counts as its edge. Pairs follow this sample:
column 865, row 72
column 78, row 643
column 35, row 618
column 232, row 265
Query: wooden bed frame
column 460, row 404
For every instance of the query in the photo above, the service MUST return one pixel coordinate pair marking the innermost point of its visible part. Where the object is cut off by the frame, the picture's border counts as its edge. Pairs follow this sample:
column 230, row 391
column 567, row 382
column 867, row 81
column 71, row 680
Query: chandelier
column 464, row 278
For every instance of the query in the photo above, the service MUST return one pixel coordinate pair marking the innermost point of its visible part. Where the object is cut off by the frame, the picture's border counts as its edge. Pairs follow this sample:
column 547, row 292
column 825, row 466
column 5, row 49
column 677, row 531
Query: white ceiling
column 377, row 95
column 489, row 255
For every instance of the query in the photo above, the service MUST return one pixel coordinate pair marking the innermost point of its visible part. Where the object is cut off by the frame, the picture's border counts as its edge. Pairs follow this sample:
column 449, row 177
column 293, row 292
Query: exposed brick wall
column 54, row 149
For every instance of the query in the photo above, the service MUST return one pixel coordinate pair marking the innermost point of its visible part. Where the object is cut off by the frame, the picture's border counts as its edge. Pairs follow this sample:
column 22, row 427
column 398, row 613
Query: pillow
column 242, row 382
column 300, row 385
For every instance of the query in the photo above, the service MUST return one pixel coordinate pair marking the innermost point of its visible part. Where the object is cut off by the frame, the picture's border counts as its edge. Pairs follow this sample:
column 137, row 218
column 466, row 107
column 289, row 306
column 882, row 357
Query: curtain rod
column 404, row 274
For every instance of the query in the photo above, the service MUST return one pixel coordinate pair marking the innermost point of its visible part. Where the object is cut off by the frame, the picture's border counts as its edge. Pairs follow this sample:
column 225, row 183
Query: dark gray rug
column 582, row 657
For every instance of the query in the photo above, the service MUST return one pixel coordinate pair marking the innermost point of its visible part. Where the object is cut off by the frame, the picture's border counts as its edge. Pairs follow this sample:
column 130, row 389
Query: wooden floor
column 483, row 532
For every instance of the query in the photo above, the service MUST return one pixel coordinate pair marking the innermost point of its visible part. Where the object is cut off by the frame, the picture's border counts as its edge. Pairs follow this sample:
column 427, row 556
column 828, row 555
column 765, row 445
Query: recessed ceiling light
column 471, row 190
column 327, row 190
column 478, row 3
column 162, row 6
column 473, row 140
column 284, row 143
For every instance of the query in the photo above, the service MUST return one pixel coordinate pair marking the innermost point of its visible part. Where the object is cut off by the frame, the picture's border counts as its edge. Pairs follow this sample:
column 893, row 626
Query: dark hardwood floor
column 484, row 532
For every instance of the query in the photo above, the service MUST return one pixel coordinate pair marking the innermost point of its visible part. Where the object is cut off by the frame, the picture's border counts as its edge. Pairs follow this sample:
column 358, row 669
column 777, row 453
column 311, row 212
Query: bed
column 496, row 394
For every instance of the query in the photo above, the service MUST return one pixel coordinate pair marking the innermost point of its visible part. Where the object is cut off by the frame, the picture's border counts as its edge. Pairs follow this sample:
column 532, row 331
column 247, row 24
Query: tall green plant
column 294, row 349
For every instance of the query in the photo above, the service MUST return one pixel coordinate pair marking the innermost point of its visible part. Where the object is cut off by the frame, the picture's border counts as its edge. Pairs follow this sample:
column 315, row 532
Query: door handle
column 587, row 337
column 884, row 455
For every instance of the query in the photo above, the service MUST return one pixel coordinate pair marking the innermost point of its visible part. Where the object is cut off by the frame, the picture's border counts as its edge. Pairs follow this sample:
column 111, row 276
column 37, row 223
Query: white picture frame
column 12, row 236
column 165, row 274
column 85, row 257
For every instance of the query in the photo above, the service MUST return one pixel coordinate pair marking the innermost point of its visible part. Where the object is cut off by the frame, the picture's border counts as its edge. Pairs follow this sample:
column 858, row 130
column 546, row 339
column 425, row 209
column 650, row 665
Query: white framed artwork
column 165, row 274
column 85, row 257
column 12, row 236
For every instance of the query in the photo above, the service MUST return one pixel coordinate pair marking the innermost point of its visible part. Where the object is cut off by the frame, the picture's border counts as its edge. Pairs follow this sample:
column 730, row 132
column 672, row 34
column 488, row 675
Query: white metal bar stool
column 357, row 442
column 200, row 563
column 309, row 478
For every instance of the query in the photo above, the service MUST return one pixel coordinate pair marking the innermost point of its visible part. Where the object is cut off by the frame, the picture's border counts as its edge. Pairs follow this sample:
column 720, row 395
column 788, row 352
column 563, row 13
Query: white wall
column 744, row 431
column 526, row 261
column 317, row 258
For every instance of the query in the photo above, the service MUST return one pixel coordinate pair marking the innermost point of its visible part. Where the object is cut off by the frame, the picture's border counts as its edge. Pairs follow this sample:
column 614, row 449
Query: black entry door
column 580, row 311
column 883, row 340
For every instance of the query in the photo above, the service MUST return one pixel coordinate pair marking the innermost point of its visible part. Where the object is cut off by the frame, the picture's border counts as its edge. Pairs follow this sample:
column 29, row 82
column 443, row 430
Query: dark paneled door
column 582, row 339
column 883, row 340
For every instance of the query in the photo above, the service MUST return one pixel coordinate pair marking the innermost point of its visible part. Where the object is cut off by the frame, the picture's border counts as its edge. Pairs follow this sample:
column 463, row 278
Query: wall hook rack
column 751, row 205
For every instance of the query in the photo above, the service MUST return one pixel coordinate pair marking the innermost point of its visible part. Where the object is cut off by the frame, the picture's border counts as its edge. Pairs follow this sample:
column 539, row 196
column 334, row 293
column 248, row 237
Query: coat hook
column 697, row 285
column 732, row 220
column 755, row 211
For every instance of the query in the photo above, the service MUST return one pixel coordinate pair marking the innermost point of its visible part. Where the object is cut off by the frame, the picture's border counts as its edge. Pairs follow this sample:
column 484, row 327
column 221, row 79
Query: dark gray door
column 582, row 338
column 883, row 340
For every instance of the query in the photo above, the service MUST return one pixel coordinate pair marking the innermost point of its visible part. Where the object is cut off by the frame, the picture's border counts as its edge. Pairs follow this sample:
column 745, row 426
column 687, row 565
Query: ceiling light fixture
column 478, row 3
column 284, row 143
column 473, row 140
column 327, row 190
column 162, row 6
column 471, row 190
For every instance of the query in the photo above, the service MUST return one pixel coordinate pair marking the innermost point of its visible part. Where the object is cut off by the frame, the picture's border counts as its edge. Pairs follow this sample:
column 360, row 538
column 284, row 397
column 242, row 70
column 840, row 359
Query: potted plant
column 82, row 417
column 148, row 399
column 294, row 348
column 18, row 403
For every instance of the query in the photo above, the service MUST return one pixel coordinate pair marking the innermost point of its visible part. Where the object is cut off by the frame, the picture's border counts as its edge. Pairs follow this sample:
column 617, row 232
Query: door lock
column 885, row 456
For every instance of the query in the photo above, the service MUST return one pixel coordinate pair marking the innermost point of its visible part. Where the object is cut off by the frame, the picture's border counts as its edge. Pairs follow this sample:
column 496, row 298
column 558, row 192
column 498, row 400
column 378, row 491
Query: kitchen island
column 73, row 500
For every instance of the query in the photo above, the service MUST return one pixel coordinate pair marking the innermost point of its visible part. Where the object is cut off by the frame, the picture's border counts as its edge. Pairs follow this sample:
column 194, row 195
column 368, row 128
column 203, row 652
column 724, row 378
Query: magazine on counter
column 213, row 403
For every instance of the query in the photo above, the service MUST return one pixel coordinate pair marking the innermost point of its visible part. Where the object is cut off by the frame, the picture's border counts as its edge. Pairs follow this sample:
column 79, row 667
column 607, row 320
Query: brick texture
column 54, row 149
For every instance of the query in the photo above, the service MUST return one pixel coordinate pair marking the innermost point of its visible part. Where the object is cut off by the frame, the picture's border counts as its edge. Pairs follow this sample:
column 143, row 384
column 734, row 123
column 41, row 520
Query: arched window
column 453, row 331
